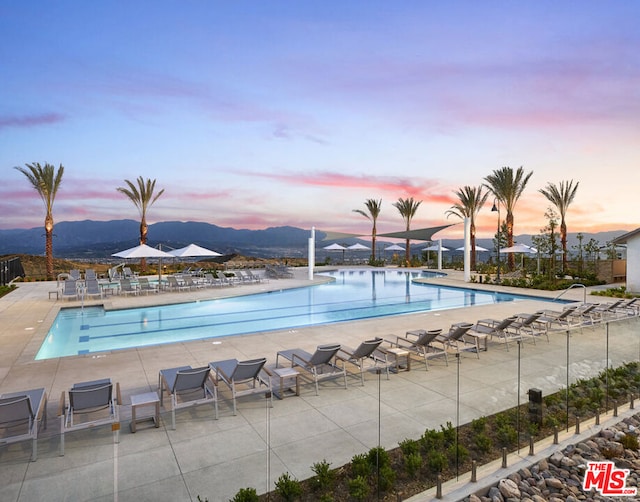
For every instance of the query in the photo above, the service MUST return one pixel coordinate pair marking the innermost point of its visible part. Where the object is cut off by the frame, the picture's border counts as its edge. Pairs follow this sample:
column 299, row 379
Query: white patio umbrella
column 394, row 247
column 478, row 248
column 435, row 247
column 519, row 248
column 336, row 247
column 358, row 247
column 144, row 251
column 193, row 250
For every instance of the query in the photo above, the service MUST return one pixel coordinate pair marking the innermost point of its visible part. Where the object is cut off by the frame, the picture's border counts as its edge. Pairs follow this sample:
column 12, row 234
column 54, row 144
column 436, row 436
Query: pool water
column 355, row 294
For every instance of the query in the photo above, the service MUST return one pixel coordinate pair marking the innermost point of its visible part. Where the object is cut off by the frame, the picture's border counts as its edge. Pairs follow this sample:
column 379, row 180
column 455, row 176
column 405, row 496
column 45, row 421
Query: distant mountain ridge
column 100, row 239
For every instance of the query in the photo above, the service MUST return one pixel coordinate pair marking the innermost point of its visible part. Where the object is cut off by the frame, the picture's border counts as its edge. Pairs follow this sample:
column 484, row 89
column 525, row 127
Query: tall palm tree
column 507, row 186
column 372, row 213
column 407, row 209
column 45, row 181
column 561, row 196
column 471, row 201
column 142, row 197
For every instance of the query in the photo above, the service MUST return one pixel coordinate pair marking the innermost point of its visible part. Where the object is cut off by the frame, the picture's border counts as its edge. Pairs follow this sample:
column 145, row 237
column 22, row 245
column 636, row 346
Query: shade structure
column 334, row 247
column 193, row 250
column 142, row 251
column 394, row 247
column 422, row 234
column 519, row 248
column 478, row 248
column 358, row 247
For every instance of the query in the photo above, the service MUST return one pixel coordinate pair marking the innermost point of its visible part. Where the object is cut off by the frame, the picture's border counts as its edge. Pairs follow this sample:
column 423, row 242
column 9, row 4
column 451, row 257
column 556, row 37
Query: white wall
column 633, row 264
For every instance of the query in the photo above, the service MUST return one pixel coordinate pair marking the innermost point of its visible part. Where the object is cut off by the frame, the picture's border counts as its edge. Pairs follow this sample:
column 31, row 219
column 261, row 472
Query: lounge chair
column 75, row 274
column 492, row 327
column 224, row 280
column 174, row 285
column 365, row 352
column 90, row 404
column 21, row 414
column 420, row 343
column 254, row 277
column 456, row 340
column 146, row 287
column 92, row 288
column 187, row 386
column 607, row 311
column 127, row 273
column 70, row 289
column 210, row 280
column 243, row 377
column 565, row 319
column 320, row 365
column 90, row 274
column 127, row 287
column 529, row 325
column 188, row 282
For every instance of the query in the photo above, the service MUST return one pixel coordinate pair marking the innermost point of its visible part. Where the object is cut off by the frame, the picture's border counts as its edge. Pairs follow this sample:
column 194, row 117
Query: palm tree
column 471, row 201
column 142, row 197
column 373, row 211
column 507, row 187
column 407, row 209
column 561, row 196
column 46, row 181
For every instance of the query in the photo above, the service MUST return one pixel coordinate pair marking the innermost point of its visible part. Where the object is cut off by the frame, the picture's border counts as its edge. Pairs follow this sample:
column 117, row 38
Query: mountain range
column 100, row 239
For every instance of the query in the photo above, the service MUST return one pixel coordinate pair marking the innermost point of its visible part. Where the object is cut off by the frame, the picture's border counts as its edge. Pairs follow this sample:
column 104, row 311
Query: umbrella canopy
column 335, row 247
column 478, row 248
column 394, row 247
column 142, row 251
column 435, row 247
column 193, row 250
column 358, row 247
column 519, row 248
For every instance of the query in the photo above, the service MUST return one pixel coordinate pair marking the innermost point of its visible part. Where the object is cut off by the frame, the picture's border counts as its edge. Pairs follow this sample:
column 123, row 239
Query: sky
column 259, row 113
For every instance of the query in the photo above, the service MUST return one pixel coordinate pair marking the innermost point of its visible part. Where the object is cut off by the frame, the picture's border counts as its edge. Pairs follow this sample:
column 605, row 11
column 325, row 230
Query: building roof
column 625, row 237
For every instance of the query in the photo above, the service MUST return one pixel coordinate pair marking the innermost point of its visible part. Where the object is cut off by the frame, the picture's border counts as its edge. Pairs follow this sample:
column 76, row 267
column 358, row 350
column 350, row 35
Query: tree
column 407, row 209
column 561, row 196
column 46, row 181
column 471, row 201
column 142, row 197
column 373, row 211
column 507, row 187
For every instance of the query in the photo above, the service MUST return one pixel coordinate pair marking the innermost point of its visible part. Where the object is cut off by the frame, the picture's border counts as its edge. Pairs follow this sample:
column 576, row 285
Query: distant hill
column 100, row 239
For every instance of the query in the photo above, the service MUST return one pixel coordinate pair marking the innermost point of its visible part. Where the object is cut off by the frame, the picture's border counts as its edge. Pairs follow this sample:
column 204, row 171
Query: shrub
column 359, row 488
column 432, row 440
column 448, row 433
column 630, row 442
column 463, row 453
column 409, row 446
column 324, row 475
column 386, row 478
column 245, row 495
column 360, row 465
column 479, row 425
column 378, row 457
column 413, row 464
column 288, row 488
column 483, row 442
column 437, row 461
column 507, row 435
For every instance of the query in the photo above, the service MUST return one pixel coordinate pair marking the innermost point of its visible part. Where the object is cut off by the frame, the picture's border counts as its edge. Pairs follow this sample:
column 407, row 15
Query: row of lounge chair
column 95, row 403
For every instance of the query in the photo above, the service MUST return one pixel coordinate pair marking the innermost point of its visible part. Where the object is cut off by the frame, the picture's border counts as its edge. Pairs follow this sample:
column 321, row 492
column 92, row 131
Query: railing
column 9, row 270
column 574, row 286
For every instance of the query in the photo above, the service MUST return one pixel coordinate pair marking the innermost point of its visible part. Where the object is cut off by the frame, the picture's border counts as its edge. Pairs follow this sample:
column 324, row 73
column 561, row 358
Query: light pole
column 496, row 207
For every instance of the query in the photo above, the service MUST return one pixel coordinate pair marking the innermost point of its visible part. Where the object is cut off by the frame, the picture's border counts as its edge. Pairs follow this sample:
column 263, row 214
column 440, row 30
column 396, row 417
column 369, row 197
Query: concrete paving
column 213, row 459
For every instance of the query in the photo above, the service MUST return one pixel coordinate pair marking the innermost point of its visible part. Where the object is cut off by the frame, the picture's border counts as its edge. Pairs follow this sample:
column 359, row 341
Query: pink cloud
column 31, row 120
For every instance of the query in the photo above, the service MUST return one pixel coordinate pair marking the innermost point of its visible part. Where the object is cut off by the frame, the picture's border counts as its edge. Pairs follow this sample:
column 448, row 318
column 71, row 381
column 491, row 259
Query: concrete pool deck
column 213, row 459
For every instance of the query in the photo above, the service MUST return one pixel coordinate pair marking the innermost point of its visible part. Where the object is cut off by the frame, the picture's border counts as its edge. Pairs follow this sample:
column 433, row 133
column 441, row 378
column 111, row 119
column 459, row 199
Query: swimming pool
column 355, row 294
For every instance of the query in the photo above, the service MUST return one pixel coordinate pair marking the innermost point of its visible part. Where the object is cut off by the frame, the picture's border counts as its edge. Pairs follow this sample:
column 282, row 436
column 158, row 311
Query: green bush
column 448, row 433
column 483, row 442
column 630, row 442
column 378, row 457
column 436, row 461
column 324, row 477
column 409, row 446
column 479, row 425
column 288, row 488
column 432, row 440
column 359, row 488
column 360, row 465
column 386, row 478
column 463, row 453
column 246, row 495
column 413, row 464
